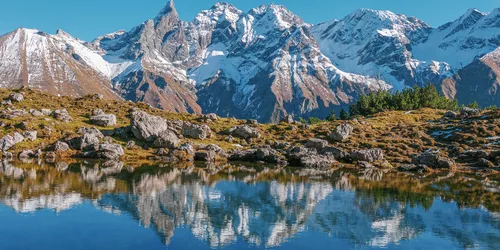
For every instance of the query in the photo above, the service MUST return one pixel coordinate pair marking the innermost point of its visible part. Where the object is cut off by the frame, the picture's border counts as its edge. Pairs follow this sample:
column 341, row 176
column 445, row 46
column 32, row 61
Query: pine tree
column 332, row 116
column 344, row 115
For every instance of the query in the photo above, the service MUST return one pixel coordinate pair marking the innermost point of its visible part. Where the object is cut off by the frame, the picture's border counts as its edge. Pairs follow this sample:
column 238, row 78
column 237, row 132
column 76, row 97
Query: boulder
column 252, row 122
column 60, row 146
column 196, row 131
column 104, row 120
column 97, row 112
column 245, row 132
column 368, row 155
column 90, row 138
column 46, row 112
column 188, row 148
column 242, row 155
column 473, row 155
column 62, row 115
column 451, row 115
column 35, row 112
column 268, row 155
column 484, row 163
column 317, row 144
column 16, row 97
column 167, row 139
column 147, row 127
column 469, row 112
column 26, row 154
column 432, row 159
column 341, row 133
column 8, row 141
column 30, row 135
column 335, row 152
column 210, row 116
column 204, row 155
column 110, row 151
column 317, row 161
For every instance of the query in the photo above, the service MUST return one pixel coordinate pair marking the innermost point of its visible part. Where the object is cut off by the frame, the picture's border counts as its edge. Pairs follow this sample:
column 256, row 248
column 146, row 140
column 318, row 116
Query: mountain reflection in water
column 241, row 207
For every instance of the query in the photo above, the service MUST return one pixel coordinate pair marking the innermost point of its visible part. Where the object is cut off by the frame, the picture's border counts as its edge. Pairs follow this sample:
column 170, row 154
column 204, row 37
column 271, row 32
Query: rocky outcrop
column 244, row 132
column 62, row 115
column 195, row 131
column 8, row 141
column 433, row 159
column 317, row 144
column 167, row 139
column 90, row 138
column 368, row 155
column 147, row 127
column 109, row 151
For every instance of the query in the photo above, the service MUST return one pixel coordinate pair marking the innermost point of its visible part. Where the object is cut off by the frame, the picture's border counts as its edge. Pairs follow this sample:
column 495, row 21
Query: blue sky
column 91, row 18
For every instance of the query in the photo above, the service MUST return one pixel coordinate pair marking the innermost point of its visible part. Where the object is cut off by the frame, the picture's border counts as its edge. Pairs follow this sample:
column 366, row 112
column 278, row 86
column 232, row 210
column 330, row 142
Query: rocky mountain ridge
column 264, row 64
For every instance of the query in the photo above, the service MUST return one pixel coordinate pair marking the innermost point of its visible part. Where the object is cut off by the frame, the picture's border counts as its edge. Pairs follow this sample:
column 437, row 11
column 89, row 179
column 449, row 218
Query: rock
column 130, row 145
column 104, row 120
column 16, row 97
column 90, row 138
column 96, row 112
column 252, row 122
column 215, row 148
column 295, row 154
column 147, row 127
column 473, row 155
column 245, row 132
column 124, row 132
column 268, row 155
column 414, row 168
column 167, row 139
column 195, row 131
column 8, row 141
column 288, row 119
column 317, row 161
column 161, row 152
column 60, row 146
column 46, row 112
column 50, row 156
column 110, row 151
column 368, row 155
column 206, row 156
column 484, row 163
column 317, row 144
column 23, row 125
column 30, row 135
column 364, row 164
column 7, row 102
column 242, row 155
column 7, row 156
column 434, row 160
column 211, row 116
column 469, row 112
column 451, row 115
column 337, row 153
column 229, row 138
column 62, row 115
column 341, row 133
column 107, row 140
column 188, row 148
column 35, row 112
column 26, row 154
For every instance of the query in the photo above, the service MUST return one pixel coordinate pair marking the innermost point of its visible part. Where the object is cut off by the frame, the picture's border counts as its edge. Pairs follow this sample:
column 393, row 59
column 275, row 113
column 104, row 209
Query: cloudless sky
column 87, row 19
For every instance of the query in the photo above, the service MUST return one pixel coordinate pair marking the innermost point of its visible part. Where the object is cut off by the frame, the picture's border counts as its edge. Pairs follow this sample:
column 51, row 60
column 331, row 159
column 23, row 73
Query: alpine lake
column 110, row 205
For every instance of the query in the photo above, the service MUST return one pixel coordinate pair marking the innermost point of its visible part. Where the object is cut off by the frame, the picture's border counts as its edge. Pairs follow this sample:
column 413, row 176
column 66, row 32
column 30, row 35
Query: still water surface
column 109, row 206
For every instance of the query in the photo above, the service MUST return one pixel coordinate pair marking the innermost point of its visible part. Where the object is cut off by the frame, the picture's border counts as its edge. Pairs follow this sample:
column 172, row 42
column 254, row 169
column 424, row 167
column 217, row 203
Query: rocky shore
column 39, row 126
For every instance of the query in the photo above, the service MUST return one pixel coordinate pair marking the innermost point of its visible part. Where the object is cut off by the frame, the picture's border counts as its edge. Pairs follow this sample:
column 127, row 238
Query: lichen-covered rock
column 167, row 139
column 60, row 146
column 104, row 120
column 8, row 141
column 16, row 97
column 432, row 159
column 317, row 144
column 244, row 132
column 147, row 127
column 341, row 133
column 196, row 131
column 368, row 155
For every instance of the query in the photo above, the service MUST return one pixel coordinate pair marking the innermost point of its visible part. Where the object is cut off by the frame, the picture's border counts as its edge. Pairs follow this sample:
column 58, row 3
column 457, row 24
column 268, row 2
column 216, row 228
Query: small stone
column 16, row 97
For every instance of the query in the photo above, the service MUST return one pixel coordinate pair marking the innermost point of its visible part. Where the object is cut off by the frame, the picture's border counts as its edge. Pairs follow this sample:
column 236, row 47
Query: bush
column 408, row 99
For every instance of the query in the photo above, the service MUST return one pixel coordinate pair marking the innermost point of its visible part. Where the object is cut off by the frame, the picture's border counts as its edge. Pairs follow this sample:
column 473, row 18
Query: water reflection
column 268, row 207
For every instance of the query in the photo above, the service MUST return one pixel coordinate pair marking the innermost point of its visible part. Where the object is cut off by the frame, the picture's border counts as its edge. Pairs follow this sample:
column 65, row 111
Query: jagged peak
column 167, row 10
column 228, row 11
column 61, row 32
column 283, row 17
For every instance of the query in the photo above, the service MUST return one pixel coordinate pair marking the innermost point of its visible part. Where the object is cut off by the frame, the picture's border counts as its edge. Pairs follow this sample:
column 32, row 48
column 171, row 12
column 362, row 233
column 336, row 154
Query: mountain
column 263, row 64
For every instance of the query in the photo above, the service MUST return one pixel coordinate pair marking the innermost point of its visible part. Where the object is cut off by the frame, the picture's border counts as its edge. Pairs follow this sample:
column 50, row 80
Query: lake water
column 112, row 206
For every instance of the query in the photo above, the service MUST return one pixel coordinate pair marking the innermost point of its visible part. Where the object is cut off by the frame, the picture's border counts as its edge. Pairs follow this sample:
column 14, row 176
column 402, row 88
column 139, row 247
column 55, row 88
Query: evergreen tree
column 332, row 116
column 344, row 115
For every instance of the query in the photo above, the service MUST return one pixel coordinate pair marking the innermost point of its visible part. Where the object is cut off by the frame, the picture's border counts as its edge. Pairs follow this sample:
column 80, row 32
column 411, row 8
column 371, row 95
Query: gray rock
column 484, row 163
column 130, row 145
column 60, row 146
column 335, row 152
column 110, row 151
column 147, row 127
column 317, row 161
column 473, row 155
column 268, row 155
column 35, row 112
column 317, row 144
column 188, row 148
column 46, row 112
column 368, row 155
column 242, row 155
column 96, row 112
column 30, row 135
column 469, row 112
column 341, row 133
column 195, row 131
column 245, row 132
column 167, row 139
column 90, row 138
column 451, row 115
column 432, row 159
column 8, row 141
column 16, row 97
column 211, row 116
column 104, row 120
column 26, row 154
column 364, row 164
column 107, row 140
column 62, row 115
column 252, row 122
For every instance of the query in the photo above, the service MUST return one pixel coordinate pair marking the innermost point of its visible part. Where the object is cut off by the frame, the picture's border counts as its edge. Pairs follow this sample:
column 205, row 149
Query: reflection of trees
column 266, row 206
